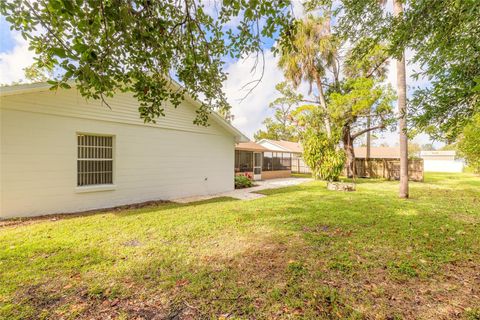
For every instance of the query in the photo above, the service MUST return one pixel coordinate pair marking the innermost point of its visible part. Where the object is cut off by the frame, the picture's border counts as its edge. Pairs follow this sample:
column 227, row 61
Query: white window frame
column 95, row 187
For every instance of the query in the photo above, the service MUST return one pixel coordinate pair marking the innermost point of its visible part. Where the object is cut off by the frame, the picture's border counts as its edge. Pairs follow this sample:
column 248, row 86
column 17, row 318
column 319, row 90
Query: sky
column 249, row 110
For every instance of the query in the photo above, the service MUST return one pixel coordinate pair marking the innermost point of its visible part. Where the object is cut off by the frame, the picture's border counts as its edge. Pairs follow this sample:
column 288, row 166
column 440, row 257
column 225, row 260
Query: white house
column 441, row 161
column 60, row 153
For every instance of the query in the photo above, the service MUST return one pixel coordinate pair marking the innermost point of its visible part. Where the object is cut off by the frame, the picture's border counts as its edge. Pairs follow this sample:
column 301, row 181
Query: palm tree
column 402, row 109
column 314, row 51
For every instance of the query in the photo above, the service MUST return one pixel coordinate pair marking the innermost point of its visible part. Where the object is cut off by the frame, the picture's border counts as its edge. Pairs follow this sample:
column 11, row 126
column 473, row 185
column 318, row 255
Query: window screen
column 276, row 161
column 94, row 160
column 243, row 161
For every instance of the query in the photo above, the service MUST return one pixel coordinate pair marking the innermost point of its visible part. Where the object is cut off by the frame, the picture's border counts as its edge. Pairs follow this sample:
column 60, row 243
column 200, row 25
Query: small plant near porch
column 243, row 181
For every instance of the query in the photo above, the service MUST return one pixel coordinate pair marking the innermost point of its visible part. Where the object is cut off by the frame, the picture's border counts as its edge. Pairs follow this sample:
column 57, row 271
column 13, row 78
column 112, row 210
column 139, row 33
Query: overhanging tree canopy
column 444, row 38
column 139, row 46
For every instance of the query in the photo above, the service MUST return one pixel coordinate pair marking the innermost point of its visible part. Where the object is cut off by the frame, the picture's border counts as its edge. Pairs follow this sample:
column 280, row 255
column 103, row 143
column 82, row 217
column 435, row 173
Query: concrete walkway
column 250, row 193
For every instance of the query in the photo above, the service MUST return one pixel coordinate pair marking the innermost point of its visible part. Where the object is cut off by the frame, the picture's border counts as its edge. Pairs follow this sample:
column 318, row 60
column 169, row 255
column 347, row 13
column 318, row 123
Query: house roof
column 289, row 146
column 43, row 86
column 360, row 152
column 378, row 152
column 438, row 153
column 250, row 146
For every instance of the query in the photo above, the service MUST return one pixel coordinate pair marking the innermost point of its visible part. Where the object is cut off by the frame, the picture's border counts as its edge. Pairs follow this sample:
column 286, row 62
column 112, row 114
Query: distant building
column 262, row 163
column 386, row 160
column 281, row 145
column 293, row 148
column 378, row 152
column 441, row 161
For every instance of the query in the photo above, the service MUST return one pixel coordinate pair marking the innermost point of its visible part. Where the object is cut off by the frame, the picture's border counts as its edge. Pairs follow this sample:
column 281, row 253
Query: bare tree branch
column 356, row 135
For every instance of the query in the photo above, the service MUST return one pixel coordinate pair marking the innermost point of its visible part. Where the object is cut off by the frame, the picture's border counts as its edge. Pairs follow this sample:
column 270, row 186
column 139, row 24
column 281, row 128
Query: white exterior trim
column 97, row 188
column 270, row 145
column 43, row 87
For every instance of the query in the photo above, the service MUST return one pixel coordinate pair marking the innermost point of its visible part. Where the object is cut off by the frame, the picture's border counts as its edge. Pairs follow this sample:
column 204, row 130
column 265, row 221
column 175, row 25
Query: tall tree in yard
column 402, row 110
column 281, row 125
column 348, row 91
column 444, row 38
column 365, row 19
column 314, row 52
column 361, row 105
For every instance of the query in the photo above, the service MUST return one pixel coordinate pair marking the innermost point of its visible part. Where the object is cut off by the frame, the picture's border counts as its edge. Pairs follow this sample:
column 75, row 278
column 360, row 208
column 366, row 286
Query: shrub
column 322, row 155
column 242, row 182
column 469, row 144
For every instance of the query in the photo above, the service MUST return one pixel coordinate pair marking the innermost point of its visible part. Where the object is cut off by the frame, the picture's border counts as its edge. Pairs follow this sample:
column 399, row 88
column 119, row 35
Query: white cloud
column 250, row 111
column 13, row 62
column 298, row 10
column 411, row 69
column 392, row 138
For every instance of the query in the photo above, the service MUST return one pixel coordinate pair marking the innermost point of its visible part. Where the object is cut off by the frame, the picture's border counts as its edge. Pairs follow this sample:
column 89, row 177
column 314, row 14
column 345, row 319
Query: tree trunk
column 349, row 151
column 369, row 133
column 367, row 153
column 323, row 104
column 402, row 109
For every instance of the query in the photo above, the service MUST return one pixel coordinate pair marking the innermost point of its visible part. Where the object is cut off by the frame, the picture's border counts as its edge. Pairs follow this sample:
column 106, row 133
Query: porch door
column 257, row 166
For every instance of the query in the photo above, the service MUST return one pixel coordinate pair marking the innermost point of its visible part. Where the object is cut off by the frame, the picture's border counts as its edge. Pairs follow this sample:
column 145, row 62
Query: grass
column 301, row 252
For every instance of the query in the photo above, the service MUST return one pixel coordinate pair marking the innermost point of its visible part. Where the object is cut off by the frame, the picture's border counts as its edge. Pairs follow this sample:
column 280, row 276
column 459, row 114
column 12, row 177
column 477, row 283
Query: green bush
column 469, row 144
column 331, row 164
column 242, row 182
column 322, row 155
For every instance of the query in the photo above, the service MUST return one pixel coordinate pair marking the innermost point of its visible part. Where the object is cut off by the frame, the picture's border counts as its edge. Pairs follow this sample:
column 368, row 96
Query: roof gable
column 283, row 145
column 250, row 146
column 43, row 87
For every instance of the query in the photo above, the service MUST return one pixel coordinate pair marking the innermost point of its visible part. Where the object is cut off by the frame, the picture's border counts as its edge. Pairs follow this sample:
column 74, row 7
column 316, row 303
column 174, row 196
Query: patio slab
column 249, row 193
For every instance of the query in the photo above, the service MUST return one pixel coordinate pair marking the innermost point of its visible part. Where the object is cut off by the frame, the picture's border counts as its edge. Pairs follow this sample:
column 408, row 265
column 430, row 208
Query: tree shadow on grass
column 320, row 185
column 208, row 201
column 288, row 189
column 173, row 205
column 234, row 271
column 123, row 210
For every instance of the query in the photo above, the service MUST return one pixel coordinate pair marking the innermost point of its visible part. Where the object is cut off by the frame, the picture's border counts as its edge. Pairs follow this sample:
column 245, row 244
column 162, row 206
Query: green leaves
column 59, row 52
column 109, row 46
column 469, row 143
column 80, row 47
column 444, row 39
column 322, row 156
column 361, row 97
column 282, row 126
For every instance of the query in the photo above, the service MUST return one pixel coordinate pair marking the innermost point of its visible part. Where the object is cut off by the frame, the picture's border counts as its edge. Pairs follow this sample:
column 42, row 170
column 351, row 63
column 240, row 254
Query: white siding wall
column 39, row 148
column 442, row 165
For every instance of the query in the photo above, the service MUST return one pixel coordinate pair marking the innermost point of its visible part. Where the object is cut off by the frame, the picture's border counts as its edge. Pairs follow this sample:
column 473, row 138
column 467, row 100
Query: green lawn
column 301, row 252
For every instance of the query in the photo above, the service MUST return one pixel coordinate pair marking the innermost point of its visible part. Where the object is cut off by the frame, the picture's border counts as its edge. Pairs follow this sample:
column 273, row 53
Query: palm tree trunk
column 402, row 109
column 369, row 133
column 349, row 151
column 323, row 104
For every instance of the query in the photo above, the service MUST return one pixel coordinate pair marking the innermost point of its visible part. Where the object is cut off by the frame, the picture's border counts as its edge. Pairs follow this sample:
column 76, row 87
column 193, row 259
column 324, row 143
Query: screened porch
column 261, row 163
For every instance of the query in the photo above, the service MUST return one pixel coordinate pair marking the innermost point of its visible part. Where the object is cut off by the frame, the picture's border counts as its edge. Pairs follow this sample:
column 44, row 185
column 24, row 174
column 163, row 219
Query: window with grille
column 95, row 160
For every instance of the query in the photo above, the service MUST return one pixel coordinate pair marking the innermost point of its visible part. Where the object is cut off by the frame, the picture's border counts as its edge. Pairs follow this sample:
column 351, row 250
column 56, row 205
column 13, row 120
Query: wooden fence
column 388, row 168
column 373, row 168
